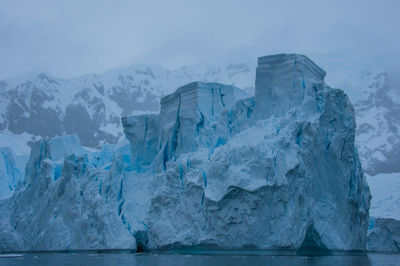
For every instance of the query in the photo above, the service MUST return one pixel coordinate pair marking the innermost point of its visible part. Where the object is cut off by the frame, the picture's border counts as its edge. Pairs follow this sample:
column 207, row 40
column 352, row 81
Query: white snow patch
column 385, row 190
column 17, row 142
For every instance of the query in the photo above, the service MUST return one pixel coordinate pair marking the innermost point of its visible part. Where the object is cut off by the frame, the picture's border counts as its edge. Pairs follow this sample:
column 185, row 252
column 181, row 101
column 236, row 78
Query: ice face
column 213, row 169
column 60, row 146
column 142, row 131
column 11, row 171
column 275, row 174
column 176, row 130
column 283, row 82
column 104, row 158
column 67, row 203
column 187, row 111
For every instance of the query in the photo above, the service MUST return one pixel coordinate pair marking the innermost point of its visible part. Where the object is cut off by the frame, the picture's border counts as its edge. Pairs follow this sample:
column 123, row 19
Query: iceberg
column 214, row 169
column 276, row 171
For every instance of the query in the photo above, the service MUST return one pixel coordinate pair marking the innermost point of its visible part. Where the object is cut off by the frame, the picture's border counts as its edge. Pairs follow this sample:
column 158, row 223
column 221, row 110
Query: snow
column 17, row 142
column 385, row 190
column 113, row 129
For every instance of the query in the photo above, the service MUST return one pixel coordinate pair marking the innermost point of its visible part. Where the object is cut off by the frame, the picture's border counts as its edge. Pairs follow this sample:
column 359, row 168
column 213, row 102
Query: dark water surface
column 125, row 259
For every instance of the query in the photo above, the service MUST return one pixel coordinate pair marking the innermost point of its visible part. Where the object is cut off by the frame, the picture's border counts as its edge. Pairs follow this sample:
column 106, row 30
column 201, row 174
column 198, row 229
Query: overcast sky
column 70, row 38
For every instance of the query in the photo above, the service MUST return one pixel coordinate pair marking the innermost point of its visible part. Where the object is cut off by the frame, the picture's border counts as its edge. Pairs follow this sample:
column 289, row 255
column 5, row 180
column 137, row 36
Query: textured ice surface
column 281, row 82
column 12, row 169
column 385, row 190
column 263, row 173
column 176, row 130
column 60, row 146
column 213, row 169
column 384, row 235
column 65, row 204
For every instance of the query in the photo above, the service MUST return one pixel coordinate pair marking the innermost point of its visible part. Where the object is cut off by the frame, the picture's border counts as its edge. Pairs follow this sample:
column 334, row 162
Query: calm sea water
column 125, row 259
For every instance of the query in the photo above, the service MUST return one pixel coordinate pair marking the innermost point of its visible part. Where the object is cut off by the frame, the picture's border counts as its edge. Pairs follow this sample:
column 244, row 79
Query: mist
column 72, row 38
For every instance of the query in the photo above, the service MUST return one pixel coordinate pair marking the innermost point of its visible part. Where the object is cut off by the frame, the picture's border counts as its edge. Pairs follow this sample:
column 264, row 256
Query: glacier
column 214, row 169
column 269, row 173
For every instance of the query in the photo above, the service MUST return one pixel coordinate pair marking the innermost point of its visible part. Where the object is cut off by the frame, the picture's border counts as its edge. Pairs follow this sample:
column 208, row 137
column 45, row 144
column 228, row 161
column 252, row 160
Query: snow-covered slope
column 385, row 191
column 91, row 105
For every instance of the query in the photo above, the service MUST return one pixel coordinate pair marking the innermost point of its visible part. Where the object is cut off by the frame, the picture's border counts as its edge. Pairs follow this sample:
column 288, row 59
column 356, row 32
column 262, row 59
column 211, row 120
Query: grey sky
column 70, row 38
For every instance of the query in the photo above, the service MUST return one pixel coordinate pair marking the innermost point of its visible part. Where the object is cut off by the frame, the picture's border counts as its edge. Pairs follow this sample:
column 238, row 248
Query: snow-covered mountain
column 41, row 106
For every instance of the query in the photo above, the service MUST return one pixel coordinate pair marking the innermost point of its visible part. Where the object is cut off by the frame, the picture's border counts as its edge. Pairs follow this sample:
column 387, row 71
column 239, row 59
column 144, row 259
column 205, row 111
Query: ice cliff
column 65, row 203
column 12, row 168
column 276, row 171
column 213, row 169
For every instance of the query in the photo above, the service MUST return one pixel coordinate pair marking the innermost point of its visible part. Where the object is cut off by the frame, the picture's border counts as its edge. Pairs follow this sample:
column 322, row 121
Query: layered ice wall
column 278, row 172
column 281, row 82
column 176, row 130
